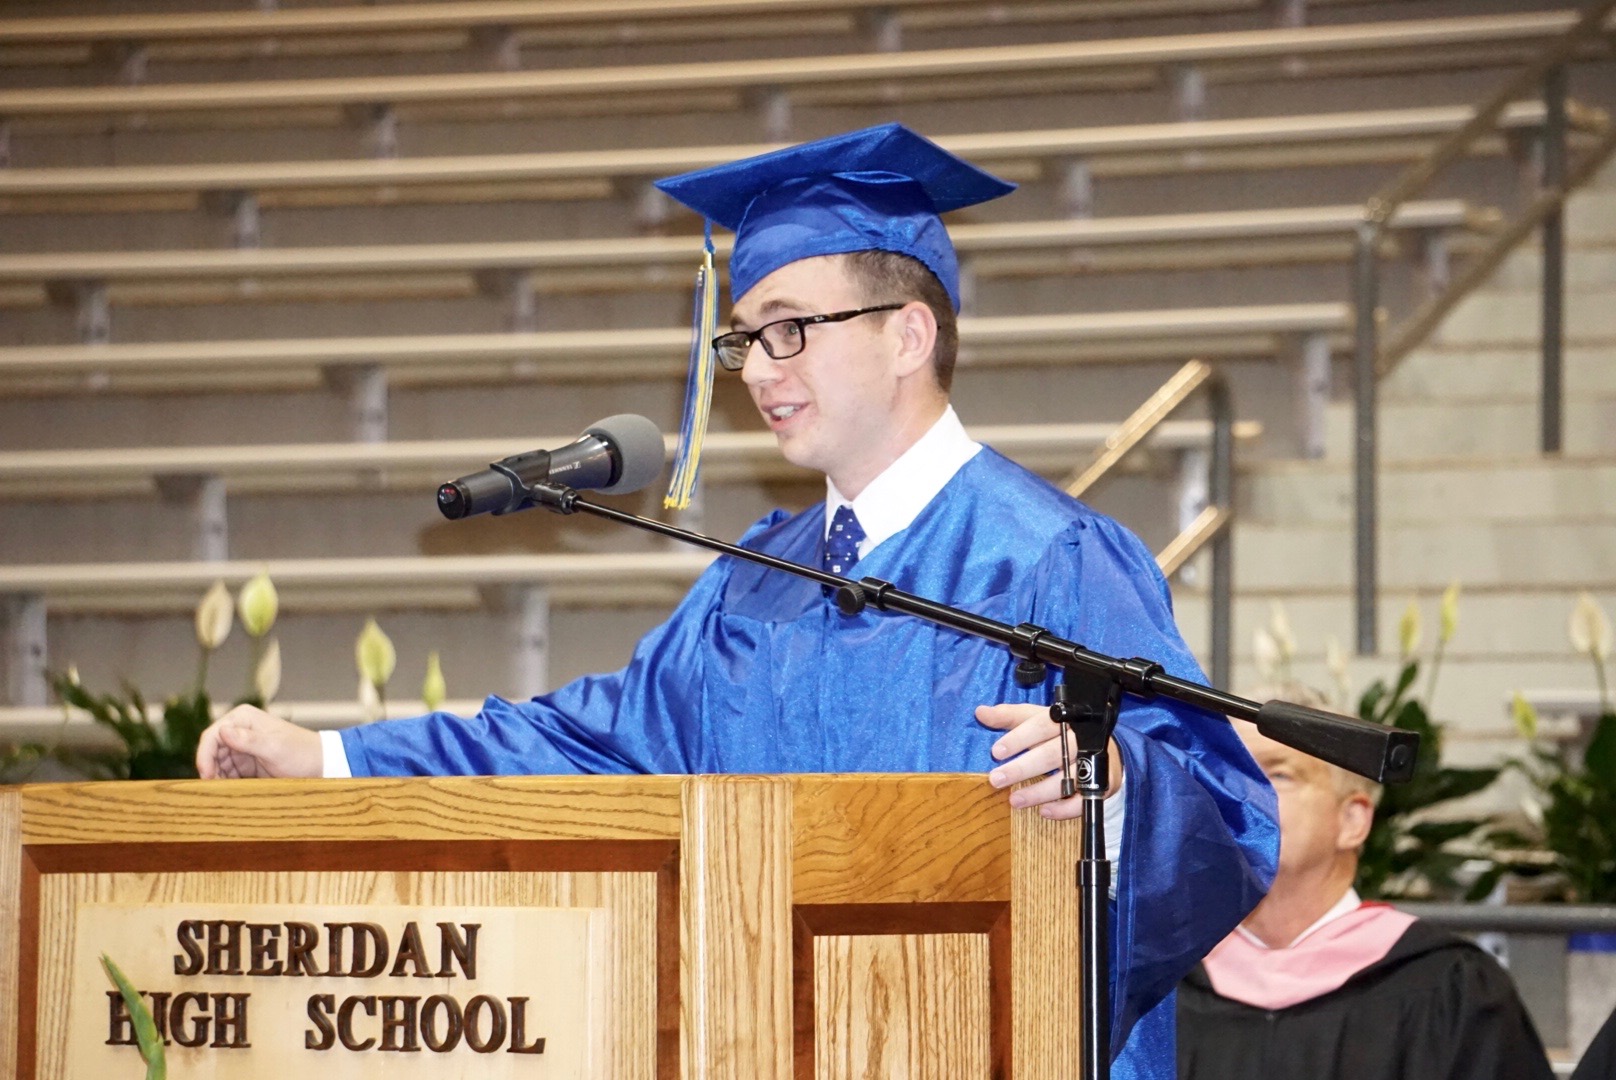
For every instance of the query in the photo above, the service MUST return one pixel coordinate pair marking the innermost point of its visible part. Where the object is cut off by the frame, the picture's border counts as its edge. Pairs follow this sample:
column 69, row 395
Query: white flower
column 267, row 677
column 370, row 702
column 213, row 617
column 1590, row 630
column 1279, row 625
column 1335, row 659
column 1265, row 653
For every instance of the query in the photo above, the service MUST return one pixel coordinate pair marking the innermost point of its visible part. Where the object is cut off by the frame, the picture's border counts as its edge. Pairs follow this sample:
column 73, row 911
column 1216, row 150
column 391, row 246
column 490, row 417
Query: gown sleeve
column 1201, row 835
column 640, row 719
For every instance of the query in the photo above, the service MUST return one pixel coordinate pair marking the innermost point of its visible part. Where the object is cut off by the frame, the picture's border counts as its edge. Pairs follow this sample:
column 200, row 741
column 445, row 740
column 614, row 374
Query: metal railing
column 1210, row 527
column 1371, row 360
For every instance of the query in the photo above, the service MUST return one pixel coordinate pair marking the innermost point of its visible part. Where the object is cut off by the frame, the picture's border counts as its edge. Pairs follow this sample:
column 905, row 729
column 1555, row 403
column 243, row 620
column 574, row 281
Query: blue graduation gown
column 757, row 672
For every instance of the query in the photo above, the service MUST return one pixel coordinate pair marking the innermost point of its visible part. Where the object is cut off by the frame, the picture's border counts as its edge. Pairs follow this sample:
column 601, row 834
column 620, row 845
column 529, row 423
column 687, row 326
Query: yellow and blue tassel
column 698, row 385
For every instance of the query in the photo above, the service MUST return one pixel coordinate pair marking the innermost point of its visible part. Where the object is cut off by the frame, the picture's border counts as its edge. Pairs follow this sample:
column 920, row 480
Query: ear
column 1356, row 815
column 916, row 328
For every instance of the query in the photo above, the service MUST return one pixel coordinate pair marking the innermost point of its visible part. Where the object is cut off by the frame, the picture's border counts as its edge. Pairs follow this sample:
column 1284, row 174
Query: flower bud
column 1524, row 714
column 433, row 690
column 258, row 605
column 1408, row 630
column 1450, row 612
column 375, row 655
column 213, row 617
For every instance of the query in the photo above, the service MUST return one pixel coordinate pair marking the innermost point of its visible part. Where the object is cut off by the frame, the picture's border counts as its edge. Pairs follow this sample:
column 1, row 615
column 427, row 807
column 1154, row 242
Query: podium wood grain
column 903, row 1007
column 736, row 983
column 1044, row 947
column 10, row 899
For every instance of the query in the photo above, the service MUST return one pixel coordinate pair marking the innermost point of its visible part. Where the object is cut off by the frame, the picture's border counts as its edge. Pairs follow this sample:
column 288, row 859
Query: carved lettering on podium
column 254, row 991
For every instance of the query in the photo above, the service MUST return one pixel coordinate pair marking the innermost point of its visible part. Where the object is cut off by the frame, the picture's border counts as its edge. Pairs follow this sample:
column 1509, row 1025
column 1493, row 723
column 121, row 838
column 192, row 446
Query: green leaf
column 1436, row 833
column 149, row 1042
column 1600, row 759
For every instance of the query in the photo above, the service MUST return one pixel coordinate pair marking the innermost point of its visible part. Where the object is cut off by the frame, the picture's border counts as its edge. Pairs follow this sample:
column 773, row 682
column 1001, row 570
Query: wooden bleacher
column 1023, row 154
column 1253, row 330
column 1417, row 44
column 347, row 30
column 349, row 466
column 1021, row 247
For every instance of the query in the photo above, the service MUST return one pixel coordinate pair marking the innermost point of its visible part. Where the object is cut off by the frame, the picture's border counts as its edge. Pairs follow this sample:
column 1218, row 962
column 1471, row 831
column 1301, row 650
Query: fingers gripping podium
column 635, row 927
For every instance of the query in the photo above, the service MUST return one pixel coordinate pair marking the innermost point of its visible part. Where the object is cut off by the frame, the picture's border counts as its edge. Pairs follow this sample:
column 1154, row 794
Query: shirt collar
column 1349, row 902
column 895, row 498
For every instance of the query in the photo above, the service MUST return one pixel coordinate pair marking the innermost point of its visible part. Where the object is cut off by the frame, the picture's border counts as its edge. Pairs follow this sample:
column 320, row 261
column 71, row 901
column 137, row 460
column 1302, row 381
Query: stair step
column 1479, row 372
column 1500, row 316
column 1531, row 489
column 1489, row 430
column 1566, row 554
column 1503, row 623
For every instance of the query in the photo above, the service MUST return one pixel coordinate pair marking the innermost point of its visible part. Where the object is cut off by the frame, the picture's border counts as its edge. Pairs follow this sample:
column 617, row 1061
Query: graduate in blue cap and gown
column 845, row 289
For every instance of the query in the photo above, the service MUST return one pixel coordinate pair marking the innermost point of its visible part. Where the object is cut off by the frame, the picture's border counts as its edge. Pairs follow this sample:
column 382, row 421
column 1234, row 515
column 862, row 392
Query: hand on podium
column 248, row 742
column 1031, row 733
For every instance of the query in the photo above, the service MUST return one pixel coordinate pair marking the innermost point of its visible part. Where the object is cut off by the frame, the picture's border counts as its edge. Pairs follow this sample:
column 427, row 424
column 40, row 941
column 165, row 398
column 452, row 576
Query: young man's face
column 832, row 406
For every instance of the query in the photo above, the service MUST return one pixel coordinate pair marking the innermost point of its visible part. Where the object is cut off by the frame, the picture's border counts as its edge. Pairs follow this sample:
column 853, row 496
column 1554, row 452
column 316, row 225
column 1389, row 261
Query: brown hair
column 888, row 277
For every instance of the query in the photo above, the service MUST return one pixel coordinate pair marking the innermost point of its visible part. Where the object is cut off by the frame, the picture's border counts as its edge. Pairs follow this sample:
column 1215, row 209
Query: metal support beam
column 1076, row 195
column 1220, row 485
column 379, row 122
column 1552, row 404
column 366, row 387
column 773, row 108
column 515, row 289
column 528, row 609
column 498, row 46
column 1436, row 263
column 92, row 317
column 1189, row 92
column 22, row 649
column 1312, row 393
column 1366, row 297
column 882, row 29
column 204, row 496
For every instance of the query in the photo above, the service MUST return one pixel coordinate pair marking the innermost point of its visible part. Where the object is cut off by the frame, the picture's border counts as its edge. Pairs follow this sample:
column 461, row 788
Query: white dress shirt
column 1349, row 902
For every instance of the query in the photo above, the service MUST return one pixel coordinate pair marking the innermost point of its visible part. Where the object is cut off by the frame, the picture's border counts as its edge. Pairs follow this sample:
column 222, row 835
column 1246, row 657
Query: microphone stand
column 1087, row 703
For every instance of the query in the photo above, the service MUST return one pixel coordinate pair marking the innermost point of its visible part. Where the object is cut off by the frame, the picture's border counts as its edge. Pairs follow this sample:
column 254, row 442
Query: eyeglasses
column 781, row 339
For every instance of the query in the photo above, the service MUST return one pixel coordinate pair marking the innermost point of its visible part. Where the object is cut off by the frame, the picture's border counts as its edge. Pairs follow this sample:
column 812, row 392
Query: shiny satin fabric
column 757, row 672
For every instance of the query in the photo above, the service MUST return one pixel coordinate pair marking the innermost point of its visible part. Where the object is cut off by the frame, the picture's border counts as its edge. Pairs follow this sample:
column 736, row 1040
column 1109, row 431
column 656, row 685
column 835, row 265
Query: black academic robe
column 1599, row 1060
column 1435, row 1007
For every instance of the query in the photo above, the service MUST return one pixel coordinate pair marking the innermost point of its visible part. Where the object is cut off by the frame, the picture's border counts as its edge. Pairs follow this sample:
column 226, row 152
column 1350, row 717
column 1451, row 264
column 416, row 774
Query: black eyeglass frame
column 742, row 340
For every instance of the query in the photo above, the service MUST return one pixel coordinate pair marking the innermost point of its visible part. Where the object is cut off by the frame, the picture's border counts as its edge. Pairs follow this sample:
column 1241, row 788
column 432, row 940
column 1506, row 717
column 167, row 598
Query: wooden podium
column 740, row 927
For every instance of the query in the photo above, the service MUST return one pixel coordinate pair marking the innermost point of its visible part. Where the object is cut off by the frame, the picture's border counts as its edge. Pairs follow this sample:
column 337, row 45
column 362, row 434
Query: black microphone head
column 639, row 449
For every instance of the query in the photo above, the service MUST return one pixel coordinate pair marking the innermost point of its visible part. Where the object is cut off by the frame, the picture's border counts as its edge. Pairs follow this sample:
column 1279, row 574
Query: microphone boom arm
column 1383, row 754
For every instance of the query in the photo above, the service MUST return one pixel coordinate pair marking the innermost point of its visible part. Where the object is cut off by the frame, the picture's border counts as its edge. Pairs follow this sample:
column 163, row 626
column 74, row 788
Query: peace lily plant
column 166, row 748
column 1572, row 807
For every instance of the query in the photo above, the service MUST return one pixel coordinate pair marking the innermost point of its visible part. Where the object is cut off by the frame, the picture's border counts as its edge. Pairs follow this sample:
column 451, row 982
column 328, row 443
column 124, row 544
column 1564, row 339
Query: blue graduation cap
column 878, row 189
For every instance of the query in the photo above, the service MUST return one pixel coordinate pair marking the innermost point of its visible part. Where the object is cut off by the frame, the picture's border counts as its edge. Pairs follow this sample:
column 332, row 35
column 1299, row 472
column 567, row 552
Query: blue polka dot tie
column 841, row 545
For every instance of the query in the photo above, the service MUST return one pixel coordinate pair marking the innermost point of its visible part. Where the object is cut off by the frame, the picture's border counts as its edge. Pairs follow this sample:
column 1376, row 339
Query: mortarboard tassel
column 699, row 384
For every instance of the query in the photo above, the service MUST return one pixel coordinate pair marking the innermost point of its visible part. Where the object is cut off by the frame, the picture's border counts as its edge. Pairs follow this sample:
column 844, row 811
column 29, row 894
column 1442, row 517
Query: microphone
column 619, row 454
